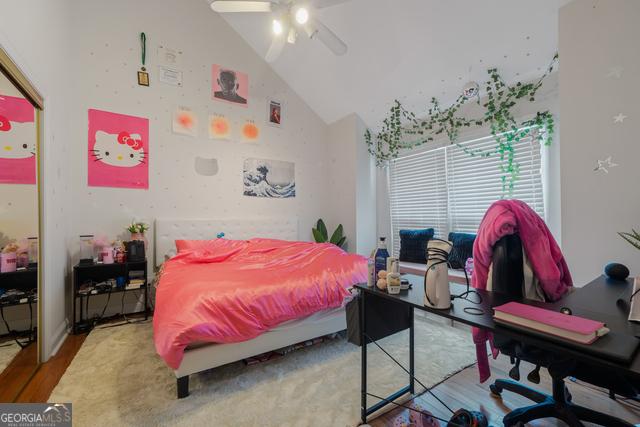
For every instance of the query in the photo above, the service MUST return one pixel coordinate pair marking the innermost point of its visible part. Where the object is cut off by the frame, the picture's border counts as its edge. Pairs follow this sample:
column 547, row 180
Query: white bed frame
column 204, row 357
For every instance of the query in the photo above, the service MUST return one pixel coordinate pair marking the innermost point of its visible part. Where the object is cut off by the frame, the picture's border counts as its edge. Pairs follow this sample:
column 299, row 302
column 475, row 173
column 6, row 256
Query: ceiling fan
column 289, row 17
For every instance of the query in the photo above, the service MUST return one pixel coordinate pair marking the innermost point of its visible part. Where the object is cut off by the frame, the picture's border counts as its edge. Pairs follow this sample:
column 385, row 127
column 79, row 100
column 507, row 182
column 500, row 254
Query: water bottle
column 371, row 272
column 381, row 256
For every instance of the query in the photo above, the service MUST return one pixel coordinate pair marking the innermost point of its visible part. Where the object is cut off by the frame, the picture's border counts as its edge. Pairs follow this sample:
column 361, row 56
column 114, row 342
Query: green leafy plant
column 137, row 227
column 632, row 238
column 404, row 129
column 321, row 235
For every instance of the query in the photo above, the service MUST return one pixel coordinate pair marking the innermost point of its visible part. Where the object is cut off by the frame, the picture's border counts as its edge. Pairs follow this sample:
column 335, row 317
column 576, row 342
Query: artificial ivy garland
column 401, row 126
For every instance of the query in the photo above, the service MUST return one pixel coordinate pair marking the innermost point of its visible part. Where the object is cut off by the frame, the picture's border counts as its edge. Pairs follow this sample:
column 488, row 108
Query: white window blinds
column 418, row 193
column 449, row 190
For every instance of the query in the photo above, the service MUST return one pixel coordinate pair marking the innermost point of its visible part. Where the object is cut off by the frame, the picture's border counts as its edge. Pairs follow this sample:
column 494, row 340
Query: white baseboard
column 58, row 337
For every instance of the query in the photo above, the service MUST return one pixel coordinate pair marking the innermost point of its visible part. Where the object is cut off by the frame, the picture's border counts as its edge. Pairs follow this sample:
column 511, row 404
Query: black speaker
column 135, row 251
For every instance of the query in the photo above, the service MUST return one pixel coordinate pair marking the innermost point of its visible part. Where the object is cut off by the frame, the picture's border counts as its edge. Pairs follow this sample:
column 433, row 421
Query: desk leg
column 363, row 370
column 411, row 353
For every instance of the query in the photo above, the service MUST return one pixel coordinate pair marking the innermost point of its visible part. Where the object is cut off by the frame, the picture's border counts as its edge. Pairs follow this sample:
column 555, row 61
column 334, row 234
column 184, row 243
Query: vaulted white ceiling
column 410, row 50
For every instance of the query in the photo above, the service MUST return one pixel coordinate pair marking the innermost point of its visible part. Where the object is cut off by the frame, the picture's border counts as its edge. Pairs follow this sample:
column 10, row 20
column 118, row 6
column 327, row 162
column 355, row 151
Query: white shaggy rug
column 117, row 379
column 8, row 351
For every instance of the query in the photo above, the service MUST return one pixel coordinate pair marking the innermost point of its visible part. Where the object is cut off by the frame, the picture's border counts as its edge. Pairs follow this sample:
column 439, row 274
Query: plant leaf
column 337, row 235
column 631, row 239
column 341, row 242
column 317, row 235
column 322, row 229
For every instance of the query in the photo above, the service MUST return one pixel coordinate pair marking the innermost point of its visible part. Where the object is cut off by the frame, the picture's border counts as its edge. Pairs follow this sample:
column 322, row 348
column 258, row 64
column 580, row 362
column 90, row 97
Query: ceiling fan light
column 292, row 36
column 277, row 27
column 302, row 15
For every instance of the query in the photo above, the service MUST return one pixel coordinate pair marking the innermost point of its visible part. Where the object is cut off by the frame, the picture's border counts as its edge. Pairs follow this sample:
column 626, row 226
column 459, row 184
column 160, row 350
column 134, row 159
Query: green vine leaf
column 401, row 127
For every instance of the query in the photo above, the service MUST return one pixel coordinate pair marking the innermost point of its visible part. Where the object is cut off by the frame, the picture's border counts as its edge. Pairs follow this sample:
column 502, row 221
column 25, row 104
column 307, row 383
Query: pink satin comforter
column 234, row 290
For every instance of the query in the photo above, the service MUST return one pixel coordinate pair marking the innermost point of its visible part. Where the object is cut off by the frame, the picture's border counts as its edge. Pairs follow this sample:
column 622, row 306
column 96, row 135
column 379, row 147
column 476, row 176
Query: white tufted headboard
column 168, row 230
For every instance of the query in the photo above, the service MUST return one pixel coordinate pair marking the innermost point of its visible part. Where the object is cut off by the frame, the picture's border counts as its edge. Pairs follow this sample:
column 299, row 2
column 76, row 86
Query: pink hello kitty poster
column 17, row 141
column 118, row 150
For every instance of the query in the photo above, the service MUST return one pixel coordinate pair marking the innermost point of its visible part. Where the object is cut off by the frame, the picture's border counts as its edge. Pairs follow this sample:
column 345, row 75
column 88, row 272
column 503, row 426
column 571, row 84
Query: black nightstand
column 24, row 280
column 97, row 273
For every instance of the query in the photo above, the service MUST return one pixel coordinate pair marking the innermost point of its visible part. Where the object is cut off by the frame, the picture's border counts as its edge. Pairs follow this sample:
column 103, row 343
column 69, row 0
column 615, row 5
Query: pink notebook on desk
column 573, row 328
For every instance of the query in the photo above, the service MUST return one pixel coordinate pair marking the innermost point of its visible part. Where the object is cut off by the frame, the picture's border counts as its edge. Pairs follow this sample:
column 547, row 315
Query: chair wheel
column 495, row 390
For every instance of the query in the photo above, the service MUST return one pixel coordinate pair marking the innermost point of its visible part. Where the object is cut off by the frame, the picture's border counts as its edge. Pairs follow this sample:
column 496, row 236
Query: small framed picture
column 143, row 78
column 274, row 111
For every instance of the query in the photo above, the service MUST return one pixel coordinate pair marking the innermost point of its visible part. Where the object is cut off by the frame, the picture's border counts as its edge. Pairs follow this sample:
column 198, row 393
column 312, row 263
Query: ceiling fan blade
column 233, row 6
column 328, row 37
column 277, row 45
column 320, row 4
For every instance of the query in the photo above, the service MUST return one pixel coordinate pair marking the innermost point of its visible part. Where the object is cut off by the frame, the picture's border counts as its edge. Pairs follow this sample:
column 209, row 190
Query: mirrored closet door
column 20, row 225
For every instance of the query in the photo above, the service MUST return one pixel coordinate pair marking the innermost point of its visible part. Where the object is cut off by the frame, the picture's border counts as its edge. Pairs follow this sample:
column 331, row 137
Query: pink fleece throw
column 509, row 217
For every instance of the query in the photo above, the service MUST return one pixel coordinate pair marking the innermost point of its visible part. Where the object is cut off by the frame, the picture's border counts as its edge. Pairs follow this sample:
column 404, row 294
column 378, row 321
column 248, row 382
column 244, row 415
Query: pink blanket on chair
column 547, row 262
column 233, row 290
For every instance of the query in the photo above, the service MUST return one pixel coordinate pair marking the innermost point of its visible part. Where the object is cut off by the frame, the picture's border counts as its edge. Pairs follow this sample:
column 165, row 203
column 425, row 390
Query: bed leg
column 183, row 386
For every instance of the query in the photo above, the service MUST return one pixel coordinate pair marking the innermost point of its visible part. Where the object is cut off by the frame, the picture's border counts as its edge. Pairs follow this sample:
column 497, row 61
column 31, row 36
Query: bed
column 254, row 291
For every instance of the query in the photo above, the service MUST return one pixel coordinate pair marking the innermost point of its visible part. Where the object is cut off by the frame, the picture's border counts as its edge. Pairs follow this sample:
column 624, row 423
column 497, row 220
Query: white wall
column 35, row 33
column 106, row 57
column 92, row 63
column 352, row 185
column 594, row 38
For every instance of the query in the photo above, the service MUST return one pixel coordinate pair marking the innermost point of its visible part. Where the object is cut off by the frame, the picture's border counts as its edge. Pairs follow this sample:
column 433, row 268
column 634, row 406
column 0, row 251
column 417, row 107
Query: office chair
column 508, row 278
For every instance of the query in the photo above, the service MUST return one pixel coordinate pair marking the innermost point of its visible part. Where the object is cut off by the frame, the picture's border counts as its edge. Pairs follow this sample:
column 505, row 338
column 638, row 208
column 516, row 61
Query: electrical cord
column 104, row 309
column 13, row 332
column 441, row 256
column 465, row 296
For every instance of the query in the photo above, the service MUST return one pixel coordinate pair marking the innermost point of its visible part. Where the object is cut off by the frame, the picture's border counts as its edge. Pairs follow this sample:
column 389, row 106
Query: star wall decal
column 615, row 72
column 619, row 118
column 605, row 165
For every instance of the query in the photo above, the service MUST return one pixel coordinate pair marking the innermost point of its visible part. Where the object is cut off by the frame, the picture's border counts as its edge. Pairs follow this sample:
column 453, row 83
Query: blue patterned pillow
column 462, row 249
column 413, row 245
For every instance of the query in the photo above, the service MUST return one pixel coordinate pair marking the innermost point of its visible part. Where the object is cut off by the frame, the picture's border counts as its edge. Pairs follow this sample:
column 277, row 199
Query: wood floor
column 18, row 372
column 460, row 391
column 42, row 383
column 464, row 391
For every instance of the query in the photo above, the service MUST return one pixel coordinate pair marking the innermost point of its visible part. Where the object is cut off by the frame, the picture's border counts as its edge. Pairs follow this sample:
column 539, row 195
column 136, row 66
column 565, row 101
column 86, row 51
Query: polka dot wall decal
column 615, row 72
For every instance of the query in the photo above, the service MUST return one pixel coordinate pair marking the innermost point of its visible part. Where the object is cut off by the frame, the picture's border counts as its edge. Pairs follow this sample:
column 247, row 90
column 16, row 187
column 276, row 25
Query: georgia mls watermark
column 35, row 414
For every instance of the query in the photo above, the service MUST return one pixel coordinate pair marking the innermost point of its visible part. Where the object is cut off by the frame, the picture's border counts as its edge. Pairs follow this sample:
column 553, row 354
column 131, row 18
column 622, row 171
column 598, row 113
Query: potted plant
column 321, row 236
column 137, row 230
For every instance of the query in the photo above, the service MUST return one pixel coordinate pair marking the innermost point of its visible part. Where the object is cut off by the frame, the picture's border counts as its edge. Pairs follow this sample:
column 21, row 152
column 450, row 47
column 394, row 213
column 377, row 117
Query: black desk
column 597, row 301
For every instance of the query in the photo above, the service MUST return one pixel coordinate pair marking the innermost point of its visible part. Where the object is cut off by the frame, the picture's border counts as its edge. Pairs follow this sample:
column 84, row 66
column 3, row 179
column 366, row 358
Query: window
column 449, row 190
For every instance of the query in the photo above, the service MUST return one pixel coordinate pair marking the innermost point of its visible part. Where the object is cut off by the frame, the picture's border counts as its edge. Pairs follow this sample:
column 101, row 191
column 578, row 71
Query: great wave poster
column 269, row 178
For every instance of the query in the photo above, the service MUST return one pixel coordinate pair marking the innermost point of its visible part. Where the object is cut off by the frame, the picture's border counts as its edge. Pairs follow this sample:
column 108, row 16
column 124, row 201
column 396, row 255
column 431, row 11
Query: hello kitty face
column 17, row 140
column 123, row 150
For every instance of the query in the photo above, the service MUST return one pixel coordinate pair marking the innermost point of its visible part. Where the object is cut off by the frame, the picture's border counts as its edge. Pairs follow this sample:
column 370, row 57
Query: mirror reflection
column 19, row 243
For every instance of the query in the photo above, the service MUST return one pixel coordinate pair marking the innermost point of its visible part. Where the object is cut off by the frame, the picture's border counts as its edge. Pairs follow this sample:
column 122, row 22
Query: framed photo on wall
column 229, row 85
column 274, row 112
